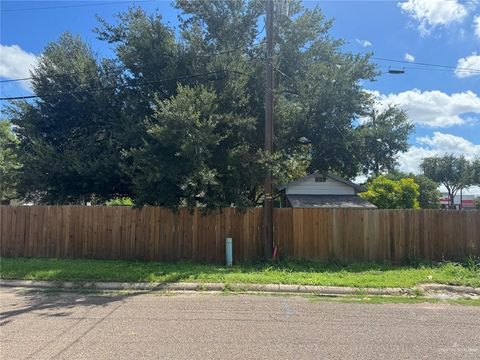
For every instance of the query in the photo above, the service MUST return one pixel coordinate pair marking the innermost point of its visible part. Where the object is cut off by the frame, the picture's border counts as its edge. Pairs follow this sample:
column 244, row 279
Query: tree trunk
column 452, row 201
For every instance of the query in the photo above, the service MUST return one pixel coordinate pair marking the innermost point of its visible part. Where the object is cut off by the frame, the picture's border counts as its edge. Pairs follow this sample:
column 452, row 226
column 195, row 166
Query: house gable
column 310, row 185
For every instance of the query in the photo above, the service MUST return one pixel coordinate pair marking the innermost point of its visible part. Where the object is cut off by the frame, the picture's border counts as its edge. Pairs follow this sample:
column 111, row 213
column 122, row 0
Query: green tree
column 189, row 148
column 94, row 132
column 318, row 96
column 9, row 164
column 429, row 195
column 392, row 194
column 147, row 53
column 384, row 134
column 476, row 171
column 71, row 136
column 453, row 172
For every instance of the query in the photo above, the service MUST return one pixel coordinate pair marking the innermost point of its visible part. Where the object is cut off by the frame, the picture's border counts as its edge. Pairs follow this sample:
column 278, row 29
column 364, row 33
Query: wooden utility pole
column 269, row 81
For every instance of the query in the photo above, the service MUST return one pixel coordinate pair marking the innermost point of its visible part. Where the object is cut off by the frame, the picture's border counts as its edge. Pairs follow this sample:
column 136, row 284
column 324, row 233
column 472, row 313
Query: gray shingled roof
column 329, row 201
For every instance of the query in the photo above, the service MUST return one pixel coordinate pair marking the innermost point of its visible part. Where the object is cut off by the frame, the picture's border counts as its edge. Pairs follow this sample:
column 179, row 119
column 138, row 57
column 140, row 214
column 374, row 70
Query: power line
column 426, row 64
column 346, row 142
column 76, row 6
column 423, row 69
column 146, row 83
column 217, row 72
column 13, row 80
column 444, row 68
column 220, row 52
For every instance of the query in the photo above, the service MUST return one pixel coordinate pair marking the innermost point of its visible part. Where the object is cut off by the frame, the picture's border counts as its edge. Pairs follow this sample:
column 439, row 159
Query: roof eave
column 330, row 175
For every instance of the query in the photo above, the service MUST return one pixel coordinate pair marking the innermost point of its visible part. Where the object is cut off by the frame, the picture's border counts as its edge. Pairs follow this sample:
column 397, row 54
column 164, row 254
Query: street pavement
column 43, row 325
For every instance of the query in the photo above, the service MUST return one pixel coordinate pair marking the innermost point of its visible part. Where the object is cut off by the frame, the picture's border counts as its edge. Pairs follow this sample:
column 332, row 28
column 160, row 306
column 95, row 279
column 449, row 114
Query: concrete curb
column 267, row 288
column 450, row 289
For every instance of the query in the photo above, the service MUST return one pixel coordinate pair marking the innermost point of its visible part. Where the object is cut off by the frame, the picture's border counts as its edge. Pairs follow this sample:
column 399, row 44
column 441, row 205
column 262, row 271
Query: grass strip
column 287, row 272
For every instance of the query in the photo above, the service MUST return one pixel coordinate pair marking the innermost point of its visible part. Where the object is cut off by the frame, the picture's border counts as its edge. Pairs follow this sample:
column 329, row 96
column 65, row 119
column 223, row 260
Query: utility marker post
column 268, row 187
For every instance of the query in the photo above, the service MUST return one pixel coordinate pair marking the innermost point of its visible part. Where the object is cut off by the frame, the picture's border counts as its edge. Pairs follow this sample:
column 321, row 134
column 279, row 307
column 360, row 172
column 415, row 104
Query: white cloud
column 451, row 144
column 15, row 62
column 433, row 108
column 468, row 66
column 409, row 57
column 432, row 13
column 476, row 25
column 364, row 43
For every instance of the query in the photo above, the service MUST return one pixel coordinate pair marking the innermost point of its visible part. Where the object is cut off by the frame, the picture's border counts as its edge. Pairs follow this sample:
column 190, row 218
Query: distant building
column 467, row 201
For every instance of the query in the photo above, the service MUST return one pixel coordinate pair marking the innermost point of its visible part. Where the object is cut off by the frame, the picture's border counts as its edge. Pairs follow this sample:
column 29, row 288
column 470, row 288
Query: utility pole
column 269, row 81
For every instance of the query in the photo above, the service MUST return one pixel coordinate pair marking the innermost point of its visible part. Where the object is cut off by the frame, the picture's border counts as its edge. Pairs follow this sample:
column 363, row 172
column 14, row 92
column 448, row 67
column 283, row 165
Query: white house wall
column 329, row 187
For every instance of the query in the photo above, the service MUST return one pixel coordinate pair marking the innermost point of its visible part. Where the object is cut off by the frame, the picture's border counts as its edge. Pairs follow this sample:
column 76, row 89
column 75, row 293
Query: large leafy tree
column 384, row 135
column 71, row 135
column 429, row 195
column 319, row 92
column 318, row 98
column 115, row 142
column 453, row 172
column 149, row 59
column 187, row 145
column 9, row 164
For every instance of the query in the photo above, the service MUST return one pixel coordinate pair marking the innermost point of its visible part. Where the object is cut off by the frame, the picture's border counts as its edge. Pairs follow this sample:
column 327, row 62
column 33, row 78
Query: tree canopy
column 177, row 117
column 384, row 135
column 429, row 195
column 9, row 164
column 386, row 193
column 71, row 136
column 453, row 172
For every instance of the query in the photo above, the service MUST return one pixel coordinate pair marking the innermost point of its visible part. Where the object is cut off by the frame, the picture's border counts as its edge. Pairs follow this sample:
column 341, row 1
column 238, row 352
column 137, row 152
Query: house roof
column 329, row 201
column 330, row 175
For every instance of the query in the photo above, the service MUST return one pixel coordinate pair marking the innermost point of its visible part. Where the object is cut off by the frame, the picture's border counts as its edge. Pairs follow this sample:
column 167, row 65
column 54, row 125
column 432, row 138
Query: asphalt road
column 199, row 326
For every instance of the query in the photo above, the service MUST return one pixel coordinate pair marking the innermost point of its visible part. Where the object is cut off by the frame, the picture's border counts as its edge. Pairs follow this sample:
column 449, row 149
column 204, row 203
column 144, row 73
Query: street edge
column 268, row 288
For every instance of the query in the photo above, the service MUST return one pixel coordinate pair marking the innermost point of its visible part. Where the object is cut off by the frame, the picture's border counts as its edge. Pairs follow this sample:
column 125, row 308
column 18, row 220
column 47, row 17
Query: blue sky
column 443, row 102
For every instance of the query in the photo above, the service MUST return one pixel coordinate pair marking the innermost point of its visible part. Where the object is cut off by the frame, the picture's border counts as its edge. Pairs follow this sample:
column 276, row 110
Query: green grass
column 288, row 272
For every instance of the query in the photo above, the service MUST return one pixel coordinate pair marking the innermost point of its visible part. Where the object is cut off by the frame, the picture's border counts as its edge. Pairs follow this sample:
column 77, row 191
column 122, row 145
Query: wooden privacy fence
column 154, row 233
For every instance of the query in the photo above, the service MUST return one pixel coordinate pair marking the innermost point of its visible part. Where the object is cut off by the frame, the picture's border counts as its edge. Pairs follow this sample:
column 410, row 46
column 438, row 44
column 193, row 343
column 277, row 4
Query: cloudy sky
column 437, row 42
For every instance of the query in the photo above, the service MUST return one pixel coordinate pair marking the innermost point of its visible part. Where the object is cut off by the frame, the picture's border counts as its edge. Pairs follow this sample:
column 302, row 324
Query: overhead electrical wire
column 13, row 80
column 220, row 52
column 217, row 72
column 426, row 64
column 423, row 66
column 346, row 142
column 75, row 6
